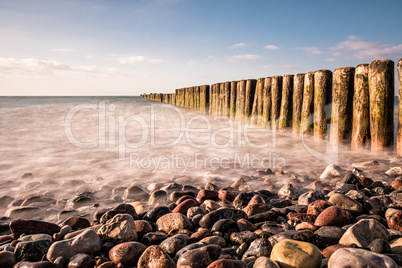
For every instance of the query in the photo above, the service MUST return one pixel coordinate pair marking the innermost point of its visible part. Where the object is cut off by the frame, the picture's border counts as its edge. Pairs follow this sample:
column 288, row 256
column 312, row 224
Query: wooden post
column 211, row 100
column 256, row 112
column 307, row 119
column 226, row 100
column 249, row 98
column 342, row 104
column 322, row 97
column 298, row 84
column 266, row 103
column 276, row 94
column 197, row 99
column 399, row 135
column 381, row 86
column 204, row 99
column 221, row 99
column 241, row 90
column 233, row 89
column 285, row 116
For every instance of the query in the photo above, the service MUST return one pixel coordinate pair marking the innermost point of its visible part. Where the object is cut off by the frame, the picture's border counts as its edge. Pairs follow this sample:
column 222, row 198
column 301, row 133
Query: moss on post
column 322, row 97
column 266, row 103
column 381, row 86
column 342, row 105
column 276, row 94
column 285, row 116
column 298, row 84
column 233, row 90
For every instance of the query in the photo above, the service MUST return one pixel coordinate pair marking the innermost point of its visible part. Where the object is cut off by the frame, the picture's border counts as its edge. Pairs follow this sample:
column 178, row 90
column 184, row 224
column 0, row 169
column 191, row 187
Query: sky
column 129, row 47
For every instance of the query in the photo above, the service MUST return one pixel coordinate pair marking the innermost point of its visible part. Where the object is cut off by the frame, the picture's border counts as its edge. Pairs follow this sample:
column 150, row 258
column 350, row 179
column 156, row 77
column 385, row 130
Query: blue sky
column 88, row 47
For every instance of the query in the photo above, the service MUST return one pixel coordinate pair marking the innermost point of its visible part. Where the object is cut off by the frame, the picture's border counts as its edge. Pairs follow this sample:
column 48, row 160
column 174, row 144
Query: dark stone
column 351, row 178
column 225, row 226
column 242, row 200
column 135, row 193
column 120, row 209
column 80, row 260
column 327, row 236
column 380, row 246
column 40, row 264
column 19, row 227
column 31, row 250
column 243, row 237
column 261, row 217
column 153, row 238
column 173, row 244
column 209, row 219
column 259, row 247
column 310, row 196
column 176, row 195
column 375, row 207
column 76, row 222
column 155, row 213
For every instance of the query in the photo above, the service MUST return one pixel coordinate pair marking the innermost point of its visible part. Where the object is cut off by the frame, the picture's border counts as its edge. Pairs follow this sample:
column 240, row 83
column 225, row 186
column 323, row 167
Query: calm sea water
column 129, row 140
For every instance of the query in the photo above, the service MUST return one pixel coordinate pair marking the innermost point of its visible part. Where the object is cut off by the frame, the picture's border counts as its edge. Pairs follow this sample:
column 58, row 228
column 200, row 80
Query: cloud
column 12, row 66
column 354, row 48
column 330, row 60
column 62, row 50
column 246, row 57
column 138, row 59
column 238, row 45
column 271, row 47
column 282, row 67
column 311, row 50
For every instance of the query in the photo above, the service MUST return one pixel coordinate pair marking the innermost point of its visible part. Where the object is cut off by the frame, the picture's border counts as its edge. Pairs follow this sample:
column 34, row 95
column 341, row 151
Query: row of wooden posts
column 356, row 103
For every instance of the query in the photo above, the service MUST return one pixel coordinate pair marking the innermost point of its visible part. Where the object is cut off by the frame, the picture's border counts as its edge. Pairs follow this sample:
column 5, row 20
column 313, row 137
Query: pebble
column 265, row 262
column 199, row 257
column 120, row 228
column 333, row 216
column 19, row 227
column 135, row 193
column 364, row 232
column 76, row 222
column 32, row 250
column 142, row 227
column 259, row 247
column 184, row 206
column 330, row 172
column 225, row 263
column 243, row 237
column 291, row 253
column 7, row 259
column 327, row 236
column 153, row 238
column 396, row 246
column 347, row 203
column 80, row 260
column 120, row 209
column 126, row 253
column 155, row 257
column 395, row 221
column 174, row 243
column 310, row 196
column 207, row 195
column 87, row 242
column 25, row 213
column 209, row 219
column 318, row 206
column 40, row 264
column 171, row 221
column 354, row 257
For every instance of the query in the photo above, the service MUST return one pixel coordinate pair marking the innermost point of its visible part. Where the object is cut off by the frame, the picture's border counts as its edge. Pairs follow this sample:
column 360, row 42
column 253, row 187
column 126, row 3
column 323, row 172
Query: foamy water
column 135, row 140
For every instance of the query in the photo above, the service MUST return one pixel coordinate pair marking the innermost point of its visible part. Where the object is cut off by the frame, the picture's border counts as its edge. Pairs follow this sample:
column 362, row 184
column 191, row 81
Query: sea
column 118, row 141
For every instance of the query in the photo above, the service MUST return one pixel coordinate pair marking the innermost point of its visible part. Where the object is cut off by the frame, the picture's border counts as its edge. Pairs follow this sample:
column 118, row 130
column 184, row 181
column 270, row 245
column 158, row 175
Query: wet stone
column 80, row 260
column 120, row 228
column 207, row 195
column 209, row 219
column 200, row 234
column 32, row 250
column 153, row 238
column 226, row 263
column 354, row 257
column 155, row 213
column 172, row 221
column 243, row 237
column 380, row 246
column 76, row 222
column 304, row 236
column 275, row 228
column 265, row 262
column 225, row 226
column 176, row 195
column 25, row 213
column 327, row 236
column 19, row 227
column 215, row 240
column 135, row 193
column 333, row 216
column 395, row 221
column 364, row 232
column 120, row 209
column 245, row 225
column 310, row 196
column 353, row 179
column 316, row 207
column 80, row 200
column 301, row 217
column 157, row 197
column 40, row 264
column 264, row 216
column 397, row 183
column 256, row 208
column 155, row 257
column 347, row 203
column 142, row 227
column 259, row 247
column 126, row 253
column 7, row 259
column 174, row 243
column 291, row 253
column 242, row 200
column 199, row 257
column 184, row 206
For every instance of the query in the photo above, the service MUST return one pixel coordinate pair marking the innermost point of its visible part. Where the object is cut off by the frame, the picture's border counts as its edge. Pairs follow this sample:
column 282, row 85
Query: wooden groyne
column 352, row 105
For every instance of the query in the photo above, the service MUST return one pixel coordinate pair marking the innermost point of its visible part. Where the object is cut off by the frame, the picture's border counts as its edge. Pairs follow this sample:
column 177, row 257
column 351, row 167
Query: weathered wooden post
column 241, row 90
column 342, row 104
column 249, row 98
column 197, row 97
column 221, row 98
column 307, row 117
column 226, row 101
column 285, row 116
column 322, row 97
column 298, row 84
column 399, row 135
column 266, row 103
column 276, row 94
column 233, row 90
column 191, row 101
column 381, row 86
column 256, row 112
column 204, row 99
column 212, row 100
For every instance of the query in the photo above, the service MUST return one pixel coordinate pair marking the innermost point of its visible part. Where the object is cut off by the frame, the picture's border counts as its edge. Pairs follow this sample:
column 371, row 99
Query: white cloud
column 311, row 50
column 138, row 59
column 281, row 67
column 62, row 50
column 330, row 60
column 354, row 48
column 246, row 57
column 238, row 45
column 12, row 66
column 271, row 47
